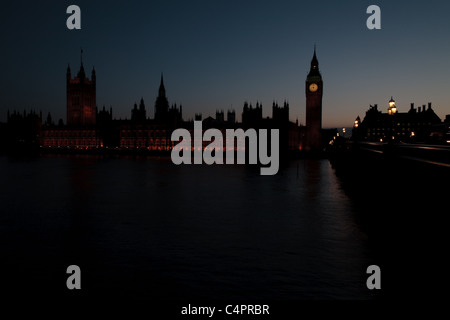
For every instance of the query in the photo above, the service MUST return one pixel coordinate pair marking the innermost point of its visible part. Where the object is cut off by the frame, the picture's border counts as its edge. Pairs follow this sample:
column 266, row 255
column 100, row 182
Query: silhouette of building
column 139, row 115
column 421, row 124
column 280, row 121
column 252, row 117
column 175, row 116
column 81, row 98
column 81, row 130
column 220, row 116
column 161, row 104
column 87, row 127
column 231, row 116
column 23, row 130
column 151, row 134
column 314, row 92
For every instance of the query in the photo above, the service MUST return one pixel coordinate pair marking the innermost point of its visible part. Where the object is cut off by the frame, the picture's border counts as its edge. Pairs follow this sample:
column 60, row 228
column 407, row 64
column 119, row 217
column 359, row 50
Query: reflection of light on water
column 245, row 235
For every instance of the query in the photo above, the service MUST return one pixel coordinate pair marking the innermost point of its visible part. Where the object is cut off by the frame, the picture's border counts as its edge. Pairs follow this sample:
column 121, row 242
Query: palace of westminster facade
column 89, row 128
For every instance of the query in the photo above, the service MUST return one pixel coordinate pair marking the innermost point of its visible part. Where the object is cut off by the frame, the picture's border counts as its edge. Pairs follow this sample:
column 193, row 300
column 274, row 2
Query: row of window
column 70, row 142
column 69, row 134
column 414, row 124
column 141, row 143
column 142, row 133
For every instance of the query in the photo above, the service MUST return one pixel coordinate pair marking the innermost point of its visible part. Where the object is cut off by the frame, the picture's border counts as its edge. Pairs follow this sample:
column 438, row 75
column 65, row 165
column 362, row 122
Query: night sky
column 218, row 54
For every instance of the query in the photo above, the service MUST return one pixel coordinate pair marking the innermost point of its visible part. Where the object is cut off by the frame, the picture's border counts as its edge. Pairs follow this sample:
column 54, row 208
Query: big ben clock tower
column 314, row 91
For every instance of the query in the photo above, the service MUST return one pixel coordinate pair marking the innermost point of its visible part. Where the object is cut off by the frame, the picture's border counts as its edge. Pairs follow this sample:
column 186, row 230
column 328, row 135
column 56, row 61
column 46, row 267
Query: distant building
column 149, row 137
column 81, row 98
column 81, row 130
column 220, row 116
column 71, row 138
column 139, row 115
column 231, row 116
column 88, row 127
column 421, row 124
column 251, row 117
column 314, row 93
column 151, row 134
column 198, row 117
column 23, row 130
column 161, row 104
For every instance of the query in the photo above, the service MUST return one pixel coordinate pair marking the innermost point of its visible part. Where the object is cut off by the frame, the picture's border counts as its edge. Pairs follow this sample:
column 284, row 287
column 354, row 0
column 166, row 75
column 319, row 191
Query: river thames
column 144, row 228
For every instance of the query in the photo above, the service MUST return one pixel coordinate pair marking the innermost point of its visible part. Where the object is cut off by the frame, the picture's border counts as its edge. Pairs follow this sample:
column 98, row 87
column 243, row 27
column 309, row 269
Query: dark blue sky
column 218, row 54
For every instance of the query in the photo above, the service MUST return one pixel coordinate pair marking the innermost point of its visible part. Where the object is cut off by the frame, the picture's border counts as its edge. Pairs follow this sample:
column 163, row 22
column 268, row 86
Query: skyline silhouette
column 217, row 56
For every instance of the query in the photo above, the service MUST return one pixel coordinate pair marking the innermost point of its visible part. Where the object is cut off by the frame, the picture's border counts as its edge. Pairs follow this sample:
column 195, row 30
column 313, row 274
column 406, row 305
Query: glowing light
column 392, row 102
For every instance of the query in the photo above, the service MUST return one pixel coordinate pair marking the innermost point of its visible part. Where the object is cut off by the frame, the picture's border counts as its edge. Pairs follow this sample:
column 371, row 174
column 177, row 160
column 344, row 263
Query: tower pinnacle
column 314, row 70
column 162, row 90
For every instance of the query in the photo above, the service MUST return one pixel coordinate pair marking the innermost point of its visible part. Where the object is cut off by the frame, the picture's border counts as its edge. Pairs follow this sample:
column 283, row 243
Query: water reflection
column 166, row 231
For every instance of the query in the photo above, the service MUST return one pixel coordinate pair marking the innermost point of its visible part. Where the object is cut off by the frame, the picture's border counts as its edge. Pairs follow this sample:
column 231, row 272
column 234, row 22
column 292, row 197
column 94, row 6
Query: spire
column 314, row 70
column 314, row 61
column 81, row 73
column 162, row 90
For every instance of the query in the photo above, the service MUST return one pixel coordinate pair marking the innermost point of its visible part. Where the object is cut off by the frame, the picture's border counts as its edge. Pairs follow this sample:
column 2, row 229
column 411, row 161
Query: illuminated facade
column 81, row 131
column 89, row 128
column 72, row 138
column 145, row 137
column 421, row 124
column 81, row 98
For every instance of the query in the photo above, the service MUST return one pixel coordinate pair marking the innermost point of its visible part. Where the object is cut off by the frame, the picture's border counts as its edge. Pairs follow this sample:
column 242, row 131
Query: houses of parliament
column 88, row 127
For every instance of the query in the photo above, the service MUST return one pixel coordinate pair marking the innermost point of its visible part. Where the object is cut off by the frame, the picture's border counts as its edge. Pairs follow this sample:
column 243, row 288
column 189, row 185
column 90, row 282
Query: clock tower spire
column 314, row 91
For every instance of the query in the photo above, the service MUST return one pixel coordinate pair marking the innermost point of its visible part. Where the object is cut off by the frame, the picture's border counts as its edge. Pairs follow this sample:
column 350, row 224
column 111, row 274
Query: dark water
column 147, row 229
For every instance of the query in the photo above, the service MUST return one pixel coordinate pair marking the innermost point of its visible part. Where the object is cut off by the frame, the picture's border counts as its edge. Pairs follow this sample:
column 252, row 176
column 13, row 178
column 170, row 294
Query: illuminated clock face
column 313, row 87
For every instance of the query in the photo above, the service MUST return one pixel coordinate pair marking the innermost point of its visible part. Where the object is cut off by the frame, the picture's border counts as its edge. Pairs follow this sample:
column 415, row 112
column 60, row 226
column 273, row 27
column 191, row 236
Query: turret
column 392, row 108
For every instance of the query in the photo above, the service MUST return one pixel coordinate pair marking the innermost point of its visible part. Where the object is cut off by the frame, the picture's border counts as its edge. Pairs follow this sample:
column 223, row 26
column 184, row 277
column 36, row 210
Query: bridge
column 434, row 155
column 437, row 155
